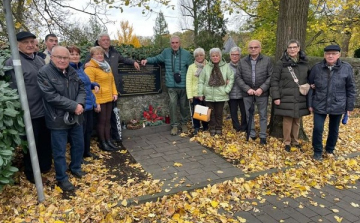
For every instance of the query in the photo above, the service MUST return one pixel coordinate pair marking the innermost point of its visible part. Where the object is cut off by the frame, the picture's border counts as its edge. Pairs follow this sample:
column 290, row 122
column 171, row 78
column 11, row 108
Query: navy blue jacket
column 90, row 100
column 334, row 91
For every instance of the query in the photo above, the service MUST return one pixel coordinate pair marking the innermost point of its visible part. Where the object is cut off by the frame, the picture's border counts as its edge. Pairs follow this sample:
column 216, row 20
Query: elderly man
column 255, row 72
column 176, row 60
column 51, row 40
column 113, row 57
column 31, row 63
column 333, row 93
column 64, row 98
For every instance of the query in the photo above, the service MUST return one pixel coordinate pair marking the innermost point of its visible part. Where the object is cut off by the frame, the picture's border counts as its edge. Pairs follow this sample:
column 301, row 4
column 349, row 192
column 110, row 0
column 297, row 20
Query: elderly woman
column 99, row 71
column 236, row 100
column 192, row 81
column 289, row 103
column 90, row 102
column 215, row 83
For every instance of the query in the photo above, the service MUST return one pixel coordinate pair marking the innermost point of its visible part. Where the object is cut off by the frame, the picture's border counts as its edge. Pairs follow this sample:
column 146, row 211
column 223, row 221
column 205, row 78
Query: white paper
column 201, row 109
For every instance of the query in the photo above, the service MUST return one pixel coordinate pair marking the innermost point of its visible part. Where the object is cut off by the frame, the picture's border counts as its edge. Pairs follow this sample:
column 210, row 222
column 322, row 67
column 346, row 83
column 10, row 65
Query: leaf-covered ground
column 102, row 199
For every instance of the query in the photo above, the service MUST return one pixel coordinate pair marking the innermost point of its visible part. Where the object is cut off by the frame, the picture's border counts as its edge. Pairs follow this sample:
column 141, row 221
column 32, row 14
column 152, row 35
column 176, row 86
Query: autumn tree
column 161, row 32
column 289, row 27
column 126, row 36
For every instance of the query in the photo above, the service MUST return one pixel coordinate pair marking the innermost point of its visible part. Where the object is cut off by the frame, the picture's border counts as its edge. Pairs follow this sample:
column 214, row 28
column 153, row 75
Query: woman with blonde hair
column 99, row 71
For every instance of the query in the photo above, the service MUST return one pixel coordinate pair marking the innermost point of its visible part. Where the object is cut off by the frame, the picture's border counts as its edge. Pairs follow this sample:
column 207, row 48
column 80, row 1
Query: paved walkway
column 158, row 152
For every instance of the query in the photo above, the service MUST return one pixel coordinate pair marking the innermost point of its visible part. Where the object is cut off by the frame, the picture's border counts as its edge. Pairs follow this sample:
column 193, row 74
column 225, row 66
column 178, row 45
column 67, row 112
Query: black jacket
column 263, row 72
column 114, row 59
column 30, row 67
column 283, row 87
column 61, row 93
column 334, row 91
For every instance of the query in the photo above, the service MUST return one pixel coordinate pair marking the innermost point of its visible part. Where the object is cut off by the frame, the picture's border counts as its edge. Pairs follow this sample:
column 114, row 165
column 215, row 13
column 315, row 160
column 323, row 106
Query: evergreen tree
column 161, row 32
column 212, row 25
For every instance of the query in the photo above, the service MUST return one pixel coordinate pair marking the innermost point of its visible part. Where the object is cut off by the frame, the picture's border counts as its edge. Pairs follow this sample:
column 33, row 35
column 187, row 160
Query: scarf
column 234, row 64
column 216, row 79
column 103, row 65
column 199, row 67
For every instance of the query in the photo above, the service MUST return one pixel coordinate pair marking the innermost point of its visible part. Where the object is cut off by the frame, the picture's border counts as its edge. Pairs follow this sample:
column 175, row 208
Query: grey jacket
column 334, row 91
column 30, row 67
column 235, row 92
column 263, row 72
column 61, row 93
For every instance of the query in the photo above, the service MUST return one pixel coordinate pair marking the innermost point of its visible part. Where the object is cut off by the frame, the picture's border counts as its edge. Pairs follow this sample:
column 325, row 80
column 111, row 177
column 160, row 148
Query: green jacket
column 192, row 82
column 172, row 67
column 216, row 94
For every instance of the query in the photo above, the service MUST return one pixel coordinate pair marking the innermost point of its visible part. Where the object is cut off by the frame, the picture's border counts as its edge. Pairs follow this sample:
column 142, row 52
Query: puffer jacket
column 104, row 79
column 114, row 58
column 335, row 91
column 235, row 92
column 61, row 93
column 263, row 71
column 90, row 100
column 171, row 61
column 30, row 67
column 216, row 94
column 283, row 87
column 192, row 81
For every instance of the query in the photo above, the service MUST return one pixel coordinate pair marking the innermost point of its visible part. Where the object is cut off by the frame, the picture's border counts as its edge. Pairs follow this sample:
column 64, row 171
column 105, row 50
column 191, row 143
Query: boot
column 105, row 147
column 111, row 145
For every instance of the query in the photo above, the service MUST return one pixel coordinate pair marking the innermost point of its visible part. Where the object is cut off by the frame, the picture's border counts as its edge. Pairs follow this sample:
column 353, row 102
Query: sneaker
column 212, row 132
column 218, row 132
column 78, row 174
column 263, row 141
column 184, row 129
column 330, row 155
column 317, row 156
column 253, row 138
column 174, row 131
column 66, row 185
column 287, row 148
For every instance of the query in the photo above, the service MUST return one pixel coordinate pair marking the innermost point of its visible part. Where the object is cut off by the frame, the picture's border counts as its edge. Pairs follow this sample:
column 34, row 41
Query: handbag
column 202, row 113
column 304, row 88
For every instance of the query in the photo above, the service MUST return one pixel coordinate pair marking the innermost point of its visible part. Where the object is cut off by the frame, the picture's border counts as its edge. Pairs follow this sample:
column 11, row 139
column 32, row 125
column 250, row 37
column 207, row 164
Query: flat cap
column 23, row 35
column 332, row 48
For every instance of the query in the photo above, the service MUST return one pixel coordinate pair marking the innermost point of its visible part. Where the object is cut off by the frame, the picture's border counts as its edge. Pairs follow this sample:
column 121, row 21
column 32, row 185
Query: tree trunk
column 291, row 24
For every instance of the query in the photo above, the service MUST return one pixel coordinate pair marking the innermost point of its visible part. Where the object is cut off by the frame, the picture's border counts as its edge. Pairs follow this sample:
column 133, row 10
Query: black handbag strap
column 173, row 61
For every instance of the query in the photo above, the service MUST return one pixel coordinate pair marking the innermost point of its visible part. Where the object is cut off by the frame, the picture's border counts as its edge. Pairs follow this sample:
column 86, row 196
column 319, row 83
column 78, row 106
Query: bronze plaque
column 147, row 80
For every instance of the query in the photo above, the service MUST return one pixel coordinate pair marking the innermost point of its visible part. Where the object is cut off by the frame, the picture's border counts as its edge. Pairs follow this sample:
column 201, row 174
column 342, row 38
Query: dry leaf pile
column 101, row 200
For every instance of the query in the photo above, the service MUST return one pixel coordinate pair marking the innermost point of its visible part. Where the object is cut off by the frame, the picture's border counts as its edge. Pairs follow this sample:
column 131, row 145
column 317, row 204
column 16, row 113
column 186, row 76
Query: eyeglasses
column 235, row 55
column 253, row 47
column 61, row 58
column 292, row 47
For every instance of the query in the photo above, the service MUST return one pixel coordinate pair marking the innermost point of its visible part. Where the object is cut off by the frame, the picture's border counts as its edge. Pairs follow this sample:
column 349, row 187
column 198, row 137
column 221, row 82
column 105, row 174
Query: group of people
column 63, row 93
column 250, row 80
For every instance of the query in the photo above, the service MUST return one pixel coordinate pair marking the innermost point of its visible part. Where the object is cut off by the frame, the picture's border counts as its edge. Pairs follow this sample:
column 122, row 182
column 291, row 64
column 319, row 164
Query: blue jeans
column 59, row 139
column 334, row 123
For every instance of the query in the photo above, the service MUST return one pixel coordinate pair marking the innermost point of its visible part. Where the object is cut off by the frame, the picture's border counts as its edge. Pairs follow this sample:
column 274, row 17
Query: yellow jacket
column 105, row 80
column 192, row 82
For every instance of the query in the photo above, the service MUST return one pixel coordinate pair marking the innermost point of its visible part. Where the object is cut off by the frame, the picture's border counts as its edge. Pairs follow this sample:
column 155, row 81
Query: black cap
column 23, row 35
column 332, row 48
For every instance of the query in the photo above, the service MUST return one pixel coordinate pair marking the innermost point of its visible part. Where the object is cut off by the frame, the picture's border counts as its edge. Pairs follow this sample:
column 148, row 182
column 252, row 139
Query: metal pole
column 23, row 99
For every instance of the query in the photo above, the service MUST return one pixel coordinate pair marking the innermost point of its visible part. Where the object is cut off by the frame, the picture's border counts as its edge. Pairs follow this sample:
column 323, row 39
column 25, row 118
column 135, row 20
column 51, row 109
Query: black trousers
column 88, row 129
column 42, row 138
column 234, row 104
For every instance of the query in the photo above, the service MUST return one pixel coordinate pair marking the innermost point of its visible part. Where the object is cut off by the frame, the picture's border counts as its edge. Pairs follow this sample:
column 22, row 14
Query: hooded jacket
column 283, row 87
column 104, row 79
column 61, row 93
column 335, row 90
column 216, row 94
column 173, row 65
